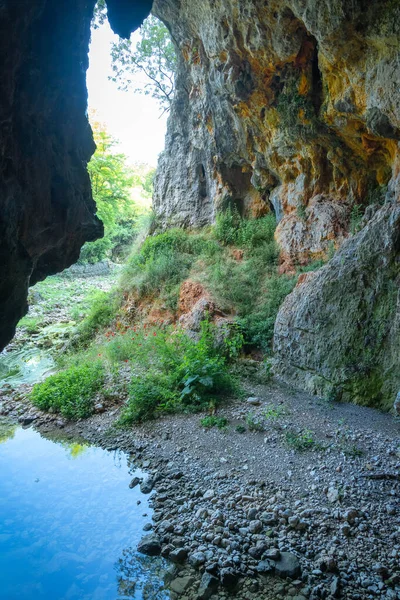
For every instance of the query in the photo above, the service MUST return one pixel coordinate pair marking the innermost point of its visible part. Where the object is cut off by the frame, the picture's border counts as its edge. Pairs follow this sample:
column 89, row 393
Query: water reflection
column 133, row 580
column 68, row 523
column 7, row 431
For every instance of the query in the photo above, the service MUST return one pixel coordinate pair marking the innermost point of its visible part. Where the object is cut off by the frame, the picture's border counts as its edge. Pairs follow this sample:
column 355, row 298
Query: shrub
column 103, row 310
column 231, row 229
column 70, row 392
column 213, row 421
column 149, row 395
column 300, row 441
column 253, row 424
column 179, row 374
column 93, row 252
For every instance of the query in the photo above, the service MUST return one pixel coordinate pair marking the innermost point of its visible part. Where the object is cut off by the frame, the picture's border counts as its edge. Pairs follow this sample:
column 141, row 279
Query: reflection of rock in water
column 137, row 573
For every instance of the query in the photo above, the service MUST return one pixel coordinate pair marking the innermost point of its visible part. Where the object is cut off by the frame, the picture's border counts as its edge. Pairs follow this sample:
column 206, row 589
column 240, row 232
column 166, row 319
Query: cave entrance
column 128, row 111
column 130, row 88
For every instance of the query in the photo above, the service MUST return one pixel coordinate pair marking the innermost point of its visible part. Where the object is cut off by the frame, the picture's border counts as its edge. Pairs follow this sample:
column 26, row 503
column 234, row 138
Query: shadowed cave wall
column 46, row 208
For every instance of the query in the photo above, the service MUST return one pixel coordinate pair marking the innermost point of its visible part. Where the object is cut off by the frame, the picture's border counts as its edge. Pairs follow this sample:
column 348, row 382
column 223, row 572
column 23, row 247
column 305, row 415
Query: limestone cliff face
column 46, row 206
column 338, row 333
column 293, row 106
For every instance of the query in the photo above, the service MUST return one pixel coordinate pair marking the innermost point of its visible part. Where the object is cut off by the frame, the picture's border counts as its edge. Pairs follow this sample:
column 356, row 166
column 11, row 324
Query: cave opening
column 127, row 111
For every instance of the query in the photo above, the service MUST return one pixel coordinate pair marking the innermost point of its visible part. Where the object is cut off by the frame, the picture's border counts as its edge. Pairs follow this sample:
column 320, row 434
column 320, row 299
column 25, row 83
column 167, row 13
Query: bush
column 149, row 395
column 93, row 252
column 179, row 373
column 232, row 230
column 213, row 421
column 70, row 392
column 103, row 310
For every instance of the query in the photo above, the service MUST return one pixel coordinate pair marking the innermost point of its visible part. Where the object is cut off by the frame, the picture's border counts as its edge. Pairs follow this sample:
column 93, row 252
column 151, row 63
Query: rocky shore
column 293, row 498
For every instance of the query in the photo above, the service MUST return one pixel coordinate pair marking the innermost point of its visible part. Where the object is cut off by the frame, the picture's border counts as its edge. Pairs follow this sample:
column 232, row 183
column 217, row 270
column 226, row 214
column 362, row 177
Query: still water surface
column 69, row 524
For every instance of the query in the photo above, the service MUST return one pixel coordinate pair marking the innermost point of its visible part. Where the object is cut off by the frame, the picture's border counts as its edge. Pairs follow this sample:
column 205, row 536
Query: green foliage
column 356, row 218
column 150, row 394
column 163, row 261
column 102, row 311
column 234, row 341
column 231, row 229
column 70, row 392
column 301, row 212
column 300, row 441
column 31, row 324
column 240, row 429
column 212, row 421
column 154, row 56
column 94, row 252
column 179, row 374
column 113, row 183
column 274, row 413
column 254, row 424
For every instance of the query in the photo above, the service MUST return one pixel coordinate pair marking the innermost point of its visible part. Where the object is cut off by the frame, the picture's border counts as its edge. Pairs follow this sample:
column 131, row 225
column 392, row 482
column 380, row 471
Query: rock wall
column 338, row 333
column 291, row 106
column 46, row 207
column 295, row 107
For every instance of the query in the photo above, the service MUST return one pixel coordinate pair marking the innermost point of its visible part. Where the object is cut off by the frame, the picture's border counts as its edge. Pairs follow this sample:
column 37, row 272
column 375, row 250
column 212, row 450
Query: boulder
column 150, row 545
column 338, row 333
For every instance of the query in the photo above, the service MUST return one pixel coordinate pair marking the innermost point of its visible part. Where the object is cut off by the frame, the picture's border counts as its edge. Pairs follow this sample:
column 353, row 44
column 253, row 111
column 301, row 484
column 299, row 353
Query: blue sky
column 131, row 118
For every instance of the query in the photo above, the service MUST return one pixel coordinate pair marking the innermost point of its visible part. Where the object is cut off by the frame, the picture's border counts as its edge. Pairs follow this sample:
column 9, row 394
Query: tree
column 154, row 55
column 112, row 182
column 111, row 179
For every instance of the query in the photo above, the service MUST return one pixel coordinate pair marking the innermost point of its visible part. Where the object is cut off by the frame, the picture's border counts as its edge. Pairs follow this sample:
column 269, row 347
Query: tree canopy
column 119, row 191
column 153, row 55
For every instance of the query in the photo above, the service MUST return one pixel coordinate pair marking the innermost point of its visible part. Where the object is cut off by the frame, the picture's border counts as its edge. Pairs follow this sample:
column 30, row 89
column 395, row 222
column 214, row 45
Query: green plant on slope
column 70, row 392
column 103, row 310
column 179, row 374
column 212, row 421
column 253, row 423
column 300, row 441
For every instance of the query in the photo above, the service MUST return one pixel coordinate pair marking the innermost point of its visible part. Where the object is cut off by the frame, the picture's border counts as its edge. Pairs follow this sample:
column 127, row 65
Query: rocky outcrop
column 291, row 106
column 46, row 207
column 338, row 333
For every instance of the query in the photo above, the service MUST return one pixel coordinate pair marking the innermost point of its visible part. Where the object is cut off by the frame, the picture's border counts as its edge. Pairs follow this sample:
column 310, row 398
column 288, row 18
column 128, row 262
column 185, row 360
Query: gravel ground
column 295, row 498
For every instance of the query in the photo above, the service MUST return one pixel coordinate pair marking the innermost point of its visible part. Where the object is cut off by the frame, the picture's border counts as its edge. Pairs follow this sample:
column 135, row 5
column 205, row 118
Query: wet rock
column 272, row 553
column 178, row 556
column 229, row 578
column 146, row 487
column 335, row 587
column 150, row 545
column 135, row 481
column 287, row 566
column 208, row 585
column 181, row 584
column 197, row 559
column 265, row 567
column 255, row 526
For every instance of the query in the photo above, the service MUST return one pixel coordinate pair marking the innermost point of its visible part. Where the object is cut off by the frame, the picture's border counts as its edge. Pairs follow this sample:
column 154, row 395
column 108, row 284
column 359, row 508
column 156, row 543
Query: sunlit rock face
column 46, row 206
column 292, row 106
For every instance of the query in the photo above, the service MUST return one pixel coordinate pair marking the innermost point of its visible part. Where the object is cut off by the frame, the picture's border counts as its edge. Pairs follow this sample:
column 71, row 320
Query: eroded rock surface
column 292, row 106
column 338, row 333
